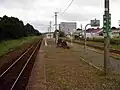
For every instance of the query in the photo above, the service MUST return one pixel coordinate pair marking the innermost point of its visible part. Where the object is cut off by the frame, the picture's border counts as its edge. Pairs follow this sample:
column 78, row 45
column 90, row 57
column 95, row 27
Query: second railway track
column 15, row 77
column 98, row 47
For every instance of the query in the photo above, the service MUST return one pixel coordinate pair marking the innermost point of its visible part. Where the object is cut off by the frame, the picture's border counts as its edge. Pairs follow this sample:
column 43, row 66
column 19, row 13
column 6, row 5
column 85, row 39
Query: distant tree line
column 13, row 28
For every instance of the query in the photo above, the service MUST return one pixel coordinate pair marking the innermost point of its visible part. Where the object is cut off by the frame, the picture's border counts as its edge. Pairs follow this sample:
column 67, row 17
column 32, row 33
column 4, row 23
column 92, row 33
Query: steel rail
column 15, row 62
column 24, row 67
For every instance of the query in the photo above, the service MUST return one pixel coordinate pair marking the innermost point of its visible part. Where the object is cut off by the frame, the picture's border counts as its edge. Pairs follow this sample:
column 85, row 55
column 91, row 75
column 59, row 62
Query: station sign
column 95, row 23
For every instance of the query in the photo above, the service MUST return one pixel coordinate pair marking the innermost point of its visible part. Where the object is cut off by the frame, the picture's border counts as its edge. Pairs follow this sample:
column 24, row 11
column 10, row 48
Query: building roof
column 92, row 30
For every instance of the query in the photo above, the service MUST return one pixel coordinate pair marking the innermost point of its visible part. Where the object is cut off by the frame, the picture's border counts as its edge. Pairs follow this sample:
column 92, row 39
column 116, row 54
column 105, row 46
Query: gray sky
column 40, row 12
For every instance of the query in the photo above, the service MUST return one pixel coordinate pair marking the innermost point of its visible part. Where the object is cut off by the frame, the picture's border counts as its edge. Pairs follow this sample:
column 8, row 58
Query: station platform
column 64, row 69
column 96, row 58
column 37, row 78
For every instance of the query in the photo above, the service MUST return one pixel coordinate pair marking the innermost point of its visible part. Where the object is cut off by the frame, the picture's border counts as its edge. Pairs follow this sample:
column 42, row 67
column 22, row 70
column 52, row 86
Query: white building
column 96, row 33
column 67, row 27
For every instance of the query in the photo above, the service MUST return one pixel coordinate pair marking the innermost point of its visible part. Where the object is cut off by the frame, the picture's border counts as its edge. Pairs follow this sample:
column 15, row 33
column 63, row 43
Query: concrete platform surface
column 63, row 69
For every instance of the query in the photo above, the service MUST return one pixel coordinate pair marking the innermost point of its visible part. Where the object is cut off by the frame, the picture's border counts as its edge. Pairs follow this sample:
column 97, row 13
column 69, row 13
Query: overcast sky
column 40, row 12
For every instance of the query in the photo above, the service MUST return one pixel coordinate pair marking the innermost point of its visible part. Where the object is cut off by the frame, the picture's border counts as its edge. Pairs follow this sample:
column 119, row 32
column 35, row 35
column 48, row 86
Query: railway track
column 115, row 51
column 15, row 77
column 98, row 47
column 102, row 48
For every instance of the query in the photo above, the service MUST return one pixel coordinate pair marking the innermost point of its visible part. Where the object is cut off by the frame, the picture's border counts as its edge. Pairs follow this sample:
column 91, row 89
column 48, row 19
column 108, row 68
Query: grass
column 9, row 45
column 116, row 47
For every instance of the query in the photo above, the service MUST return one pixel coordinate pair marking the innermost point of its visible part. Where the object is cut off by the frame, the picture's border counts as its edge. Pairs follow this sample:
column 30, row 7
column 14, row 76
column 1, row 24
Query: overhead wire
column 67, row 7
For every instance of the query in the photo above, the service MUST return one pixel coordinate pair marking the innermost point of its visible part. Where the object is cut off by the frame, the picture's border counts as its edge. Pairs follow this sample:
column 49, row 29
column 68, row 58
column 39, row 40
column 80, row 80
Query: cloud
column 96, row 3
column 41, row 25
column 75, row 17
column 23, row 4
column 83, row 14
column 40, row 12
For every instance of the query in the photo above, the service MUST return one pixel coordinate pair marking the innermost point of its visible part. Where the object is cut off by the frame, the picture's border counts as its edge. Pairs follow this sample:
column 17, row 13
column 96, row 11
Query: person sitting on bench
column 64, row 45
column 59, row 43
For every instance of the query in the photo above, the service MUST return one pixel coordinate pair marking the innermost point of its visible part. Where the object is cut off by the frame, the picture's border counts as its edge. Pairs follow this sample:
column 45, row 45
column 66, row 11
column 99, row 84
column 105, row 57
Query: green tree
column 13, row 28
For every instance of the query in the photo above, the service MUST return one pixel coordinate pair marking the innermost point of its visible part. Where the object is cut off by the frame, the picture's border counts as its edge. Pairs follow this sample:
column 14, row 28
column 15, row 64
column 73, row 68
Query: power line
column 67, row 7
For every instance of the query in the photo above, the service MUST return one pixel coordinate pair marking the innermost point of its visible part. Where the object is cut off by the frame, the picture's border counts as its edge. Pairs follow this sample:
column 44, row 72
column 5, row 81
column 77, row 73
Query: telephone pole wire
column 67, row 7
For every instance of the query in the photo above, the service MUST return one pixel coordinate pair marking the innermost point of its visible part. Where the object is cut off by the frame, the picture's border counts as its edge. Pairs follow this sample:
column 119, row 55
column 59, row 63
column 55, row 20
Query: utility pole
column 56, row 20
column 81, row 26
column 50, row 29
column 56, row 36
column 107, row 31
column 119, row 24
